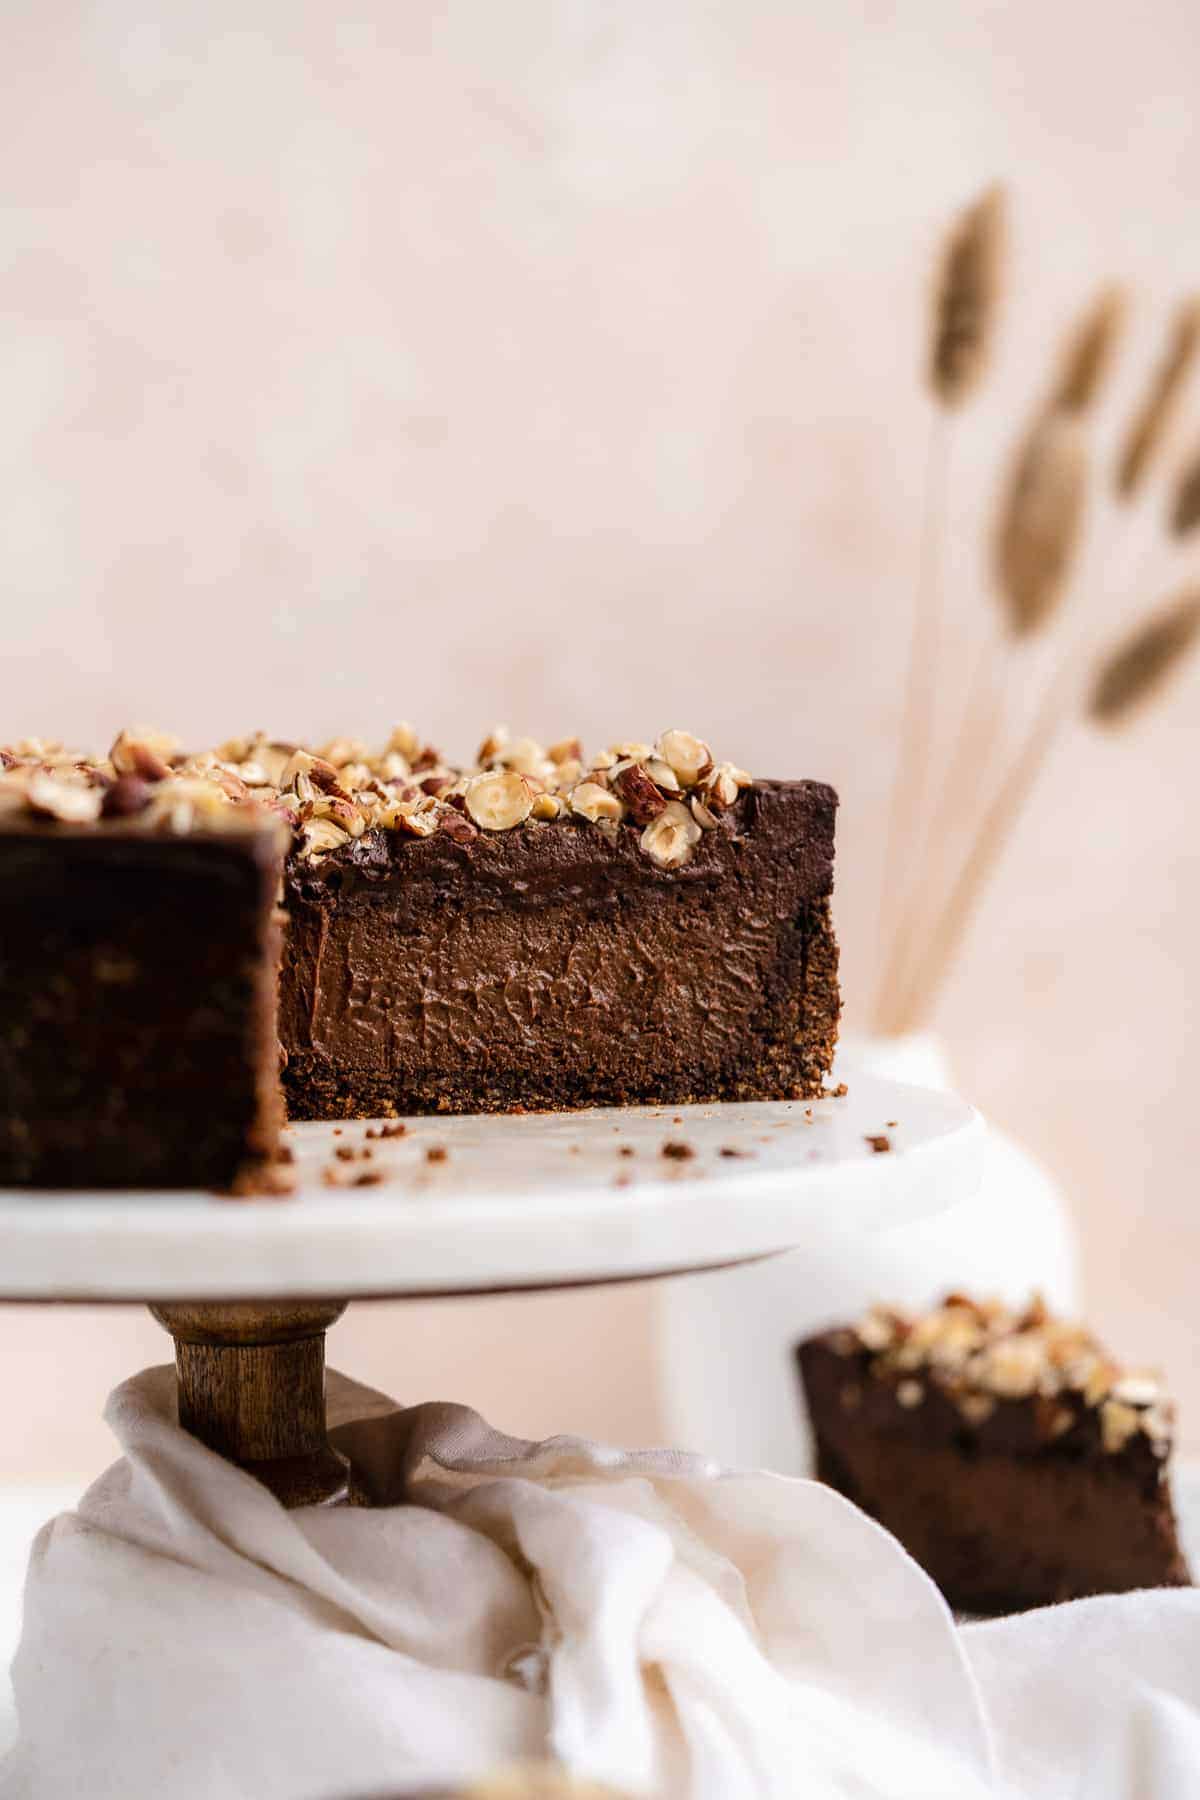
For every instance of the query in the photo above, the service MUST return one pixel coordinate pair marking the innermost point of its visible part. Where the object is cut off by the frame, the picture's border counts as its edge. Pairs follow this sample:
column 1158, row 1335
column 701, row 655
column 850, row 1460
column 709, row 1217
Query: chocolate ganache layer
column 560, row 966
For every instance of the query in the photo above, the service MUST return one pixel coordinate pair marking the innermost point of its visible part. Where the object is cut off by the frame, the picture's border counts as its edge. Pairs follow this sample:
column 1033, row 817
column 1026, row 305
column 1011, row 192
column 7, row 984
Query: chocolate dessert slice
column 560, row 965
column 539, row 930
column 137, row 992
column 1008, row 1453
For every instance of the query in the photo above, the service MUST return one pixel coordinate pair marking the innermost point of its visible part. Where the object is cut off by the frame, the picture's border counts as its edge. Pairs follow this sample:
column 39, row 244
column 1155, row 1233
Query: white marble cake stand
column 248, row 1288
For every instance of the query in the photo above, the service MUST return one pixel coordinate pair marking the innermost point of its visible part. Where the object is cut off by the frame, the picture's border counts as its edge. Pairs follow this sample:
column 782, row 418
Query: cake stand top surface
column 537, row 1200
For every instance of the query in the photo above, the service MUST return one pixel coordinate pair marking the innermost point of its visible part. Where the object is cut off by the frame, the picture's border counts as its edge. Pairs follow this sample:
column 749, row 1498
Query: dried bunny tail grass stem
column 1088, row 353
column 1040, row 522
column 966, row 298
column 1039, row 529
column 1128, row 681
column 1185, row 500
column 1135, row 673
column 1153, row 418
column 995, row 830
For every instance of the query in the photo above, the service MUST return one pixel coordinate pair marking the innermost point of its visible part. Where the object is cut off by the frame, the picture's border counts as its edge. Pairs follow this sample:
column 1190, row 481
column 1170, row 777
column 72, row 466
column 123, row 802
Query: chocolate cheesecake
column 1009, row 1454
column 540, row 930
column 138, row 1044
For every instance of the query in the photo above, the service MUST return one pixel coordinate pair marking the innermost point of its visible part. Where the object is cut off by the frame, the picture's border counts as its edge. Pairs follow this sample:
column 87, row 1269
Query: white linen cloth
column 642, row 1616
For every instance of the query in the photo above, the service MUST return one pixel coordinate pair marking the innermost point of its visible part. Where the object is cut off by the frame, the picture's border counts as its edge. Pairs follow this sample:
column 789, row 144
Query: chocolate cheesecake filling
column 559, row 966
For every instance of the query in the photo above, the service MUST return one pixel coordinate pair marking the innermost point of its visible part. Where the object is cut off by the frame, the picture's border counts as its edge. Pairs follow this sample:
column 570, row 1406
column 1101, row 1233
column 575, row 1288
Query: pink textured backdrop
column 557, row 362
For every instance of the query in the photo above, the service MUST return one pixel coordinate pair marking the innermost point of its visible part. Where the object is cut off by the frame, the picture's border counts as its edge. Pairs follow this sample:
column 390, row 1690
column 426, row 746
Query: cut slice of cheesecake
column 559, row 966
column 138, row 1045
column 1008, row 1453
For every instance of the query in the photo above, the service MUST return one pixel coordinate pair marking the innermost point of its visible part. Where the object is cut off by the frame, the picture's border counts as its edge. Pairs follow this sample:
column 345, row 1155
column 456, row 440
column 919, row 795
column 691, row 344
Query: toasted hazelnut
column 72, row 802
column 689, row 757
column 263, row 767
column 340, row 751
column 639, row 793
column 456, row 827
column 704, row 817
column 1014, row 1366
column 1137, row 1390
column 492, row 745
column 343, row 812
column 604, row 759
column 128, row 795
column 1118, row 1424
column 975, row 1408
column 143, row 754
column 319, row 836
column 567, row 774
column 403, row 741
column 1098, row 1383
column 591, row 801
column 231, row 785
column 548, row 806
column 909, row 1393
column 183, row 803
column 670, row 839
column 302, row 766
column 663, row 775
column 423, row 820
column 723, row 784
column 566, row 750
column 526, row 756
column 877, row 1330
column 499, row 800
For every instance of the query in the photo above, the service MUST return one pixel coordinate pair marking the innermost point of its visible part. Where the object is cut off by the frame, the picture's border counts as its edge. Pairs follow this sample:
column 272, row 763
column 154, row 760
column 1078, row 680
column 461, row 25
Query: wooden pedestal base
column 252, row 1387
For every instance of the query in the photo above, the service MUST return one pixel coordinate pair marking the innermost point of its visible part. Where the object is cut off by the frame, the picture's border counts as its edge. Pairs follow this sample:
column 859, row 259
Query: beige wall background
column 558, row 362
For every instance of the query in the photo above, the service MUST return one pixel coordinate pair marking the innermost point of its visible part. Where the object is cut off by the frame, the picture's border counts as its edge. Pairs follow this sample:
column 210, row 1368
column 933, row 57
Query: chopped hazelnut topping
column 1136, row 1390
column 591, row 801
column 639, row 793
column 667, row 793
column 689, row 757
column 982, row 1353
column 663, row 775
column 723, row 784
column 1118, row 1424
column 128, row 795
column 670, row 839
column 143, row 753
column 499, row 800
column 70, row 801
column 319, row 835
